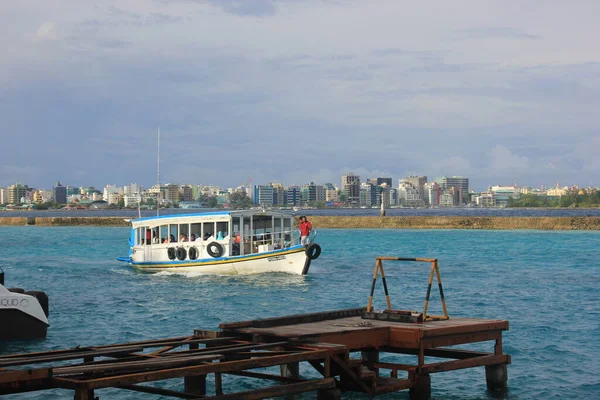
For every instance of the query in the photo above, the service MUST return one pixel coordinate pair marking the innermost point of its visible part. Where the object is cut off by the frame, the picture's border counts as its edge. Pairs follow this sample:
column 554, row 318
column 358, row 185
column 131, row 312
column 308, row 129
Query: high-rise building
column 460, row 183
column 279, row 194
column 332, row 195
column 186, row 193
column 293, row 195
column 314, row 193
column 380, row 181
column 418, row 182
column 351, row 188
column 17, row 193
column 433, row 193
column 172, row 194
column 503, row 193
column 263, row 195
column 3, row 196
column 367, row 195
column 409, row 195
column 59, row 194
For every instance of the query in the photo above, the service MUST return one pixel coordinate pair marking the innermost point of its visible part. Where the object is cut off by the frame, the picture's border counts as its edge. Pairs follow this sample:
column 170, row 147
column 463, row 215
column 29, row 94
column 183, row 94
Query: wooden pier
column 341, row 349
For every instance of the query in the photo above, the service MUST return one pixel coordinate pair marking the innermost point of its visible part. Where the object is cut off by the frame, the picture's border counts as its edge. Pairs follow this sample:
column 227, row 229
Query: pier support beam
column 329, row 394
column 370, row 357
column 291, row 370
column 195, row 384
column 422, row 388
column 82, row 393
column 496, row 377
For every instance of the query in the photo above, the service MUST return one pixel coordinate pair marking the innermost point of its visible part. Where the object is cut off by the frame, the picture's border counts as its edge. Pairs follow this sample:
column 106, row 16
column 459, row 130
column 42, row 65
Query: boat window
column 184, row 232
column 196, row 230
column 247, row 236
column 155, row 235
column 208, row 230
column 141, row 236
column 173, row 232
column 287, row 232
column 277, row 229
column 235, row 224
column 147, row 236
column 222, row 230
column 164, row 234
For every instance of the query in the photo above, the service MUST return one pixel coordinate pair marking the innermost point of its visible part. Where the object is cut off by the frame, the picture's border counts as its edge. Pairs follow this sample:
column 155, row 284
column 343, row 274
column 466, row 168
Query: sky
column 294, row 91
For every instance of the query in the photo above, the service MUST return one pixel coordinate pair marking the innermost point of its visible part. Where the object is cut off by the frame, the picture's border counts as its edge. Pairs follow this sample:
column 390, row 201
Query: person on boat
column 183, row 237
column 208, row 236
column 305, row 227
column 193, row 237
column 172, row 239
column 236, row 244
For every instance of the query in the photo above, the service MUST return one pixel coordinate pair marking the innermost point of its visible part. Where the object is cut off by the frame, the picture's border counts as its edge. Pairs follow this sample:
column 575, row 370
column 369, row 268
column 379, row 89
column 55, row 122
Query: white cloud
column 46, row 31
column 502, row 159
column 380, row 89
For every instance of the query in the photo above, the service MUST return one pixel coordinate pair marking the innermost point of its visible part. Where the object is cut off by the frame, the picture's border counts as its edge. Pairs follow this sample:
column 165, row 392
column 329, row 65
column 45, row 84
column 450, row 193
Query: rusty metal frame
column 434, row 270
column 126, row 366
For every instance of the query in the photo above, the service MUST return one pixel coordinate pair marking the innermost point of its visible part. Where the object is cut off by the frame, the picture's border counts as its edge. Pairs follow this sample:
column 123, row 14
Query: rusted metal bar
column 394, row 366
column 466, row 363
column 438, row 352
column 159, row 363
column 25, row 380
column 159, row 391
column 407, row 259
column 260, row 375
column 222, row 367
column 389, row 385
column 452, row 340
column 350, row 374
column 66, row 356
column 282, row 390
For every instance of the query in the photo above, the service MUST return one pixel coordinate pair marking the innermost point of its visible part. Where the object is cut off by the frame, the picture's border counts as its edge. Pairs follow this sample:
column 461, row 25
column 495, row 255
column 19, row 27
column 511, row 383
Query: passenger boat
column 226, row 242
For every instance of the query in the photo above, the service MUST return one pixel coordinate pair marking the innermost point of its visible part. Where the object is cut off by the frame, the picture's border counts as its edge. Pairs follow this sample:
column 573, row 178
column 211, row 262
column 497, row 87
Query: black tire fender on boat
column 181, row 253
column 193, row 253
column 16, row 290
column 171, row 253
column 214, row 249
column 313, row 251
column 42, row 298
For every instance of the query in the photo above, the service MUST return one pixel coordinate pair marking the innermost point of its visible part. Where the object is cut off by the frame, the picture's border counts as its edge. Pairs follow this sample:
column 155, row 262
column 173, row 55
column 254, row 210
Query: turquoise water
column 544, row 283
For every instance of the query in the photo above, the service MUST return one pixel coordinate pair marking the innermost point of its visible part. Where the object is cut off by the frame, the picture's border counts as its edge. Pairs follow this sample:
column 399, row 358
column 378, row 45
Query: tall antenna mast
column 158, row 175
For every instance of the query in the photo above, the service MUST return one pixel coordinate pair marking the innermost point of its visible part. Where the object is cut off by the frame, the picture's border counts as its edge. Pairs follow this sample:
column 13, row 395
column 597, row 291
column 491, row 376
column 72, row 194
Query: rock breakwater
column 354, row 222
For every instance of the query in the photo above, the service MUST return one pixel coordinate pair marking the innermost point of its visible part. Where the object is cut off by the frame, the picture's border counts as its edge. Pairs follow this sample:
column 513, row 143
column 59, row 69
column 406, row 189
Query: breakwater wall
column 354, row 222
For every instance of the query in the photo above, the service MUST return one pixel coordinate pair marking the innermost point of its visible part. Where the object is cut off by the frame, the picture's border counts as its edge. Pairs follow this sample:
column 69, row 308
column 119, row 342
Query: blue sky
column 297, row 91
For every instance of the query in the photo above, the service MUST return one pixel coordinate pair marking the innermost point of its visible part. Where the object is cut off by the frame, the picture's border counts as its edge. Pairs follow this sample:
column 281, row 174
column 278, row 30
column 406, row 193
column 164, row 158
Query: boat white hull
column 21, row 316
column 294, row 261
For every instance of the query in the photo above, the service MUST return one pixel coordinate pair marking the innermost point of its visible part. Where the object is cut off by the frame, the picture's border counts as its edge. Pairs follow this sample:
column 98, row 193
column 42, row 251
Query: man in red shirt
column 305, row 227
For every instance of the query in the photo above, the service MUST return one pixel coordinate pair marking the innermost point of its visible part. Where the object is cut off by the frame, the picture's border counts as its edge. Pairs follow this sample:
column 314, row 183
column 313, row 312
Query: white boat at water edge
column 224, row 242
column 23, row 315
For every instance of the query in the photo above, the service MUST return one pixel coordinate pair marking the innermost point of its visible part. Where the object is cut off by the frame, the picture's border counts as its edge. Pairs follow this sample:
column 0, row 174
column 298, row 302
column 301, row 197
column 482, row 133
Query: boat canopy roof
column 204, row 217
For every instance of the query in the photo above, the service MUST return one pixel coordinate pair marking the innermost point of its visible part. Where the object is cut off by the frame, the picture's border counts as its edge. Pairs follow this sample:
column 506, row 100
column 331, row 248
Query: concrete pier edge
column 361, row 222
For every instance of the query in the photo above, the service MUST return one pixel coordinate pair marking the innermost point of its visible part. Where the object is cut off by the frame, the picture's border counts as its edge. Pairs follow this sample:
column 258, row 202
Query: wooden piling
column 496, row 377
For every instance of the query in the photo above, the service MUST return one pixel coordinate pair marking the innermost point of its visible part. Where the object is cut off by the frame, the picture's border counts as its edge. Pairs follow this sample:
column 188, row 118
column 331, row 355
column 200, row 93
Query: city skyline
column 336, row 182
column 299, row 91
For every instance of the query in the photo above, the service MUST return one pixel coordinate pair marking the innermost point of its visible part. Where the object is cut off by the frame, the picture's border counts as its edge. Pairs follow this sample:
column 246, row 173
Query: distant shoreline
column 362, row 222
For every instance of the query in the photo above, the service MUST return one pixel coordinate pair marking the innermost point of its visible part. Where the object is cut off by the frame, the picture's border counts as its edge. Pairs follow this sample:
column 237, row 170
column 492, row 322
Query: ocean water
column 544, row 283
